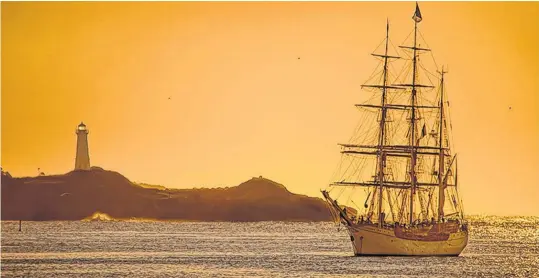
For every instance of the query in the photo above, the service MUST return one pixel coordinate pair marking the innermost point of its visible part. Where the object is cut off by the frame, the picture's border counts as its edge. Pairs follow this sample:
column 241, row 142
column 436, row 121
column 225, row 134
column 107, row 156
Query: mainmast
column 381, row 141
column 441, row 196
column 417, row 18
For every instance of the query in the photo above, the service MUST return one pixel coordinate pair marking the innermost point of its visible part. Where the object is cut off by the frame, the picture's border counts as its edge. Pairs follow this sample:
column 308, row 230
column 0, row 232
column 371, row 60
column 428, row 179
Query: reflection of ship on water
column 406, row 175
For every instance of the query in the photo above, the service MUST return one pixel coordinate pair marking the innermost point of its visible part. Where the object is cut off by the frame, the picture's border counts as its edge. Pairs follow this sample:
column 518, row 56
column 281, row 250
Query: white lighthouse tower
column 82, row 161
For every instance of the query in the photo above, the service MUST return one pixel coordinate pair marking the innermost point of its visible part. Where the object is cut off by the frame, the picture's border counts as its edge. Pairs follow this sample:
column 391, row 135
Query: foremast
column 381, row 141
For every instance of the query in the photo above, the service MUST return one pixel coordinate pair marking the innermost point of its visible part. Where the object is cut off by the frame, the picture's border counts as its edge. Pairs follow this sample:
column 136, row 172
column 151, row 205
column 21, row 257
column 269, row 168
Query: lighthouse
column 82, row 161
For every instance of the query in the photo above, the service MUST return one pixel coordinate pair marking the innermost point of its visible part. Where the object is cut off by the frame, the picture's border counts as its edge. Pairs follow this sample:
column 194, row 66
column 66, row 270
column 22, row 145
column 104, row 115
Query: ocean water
column 498, row 247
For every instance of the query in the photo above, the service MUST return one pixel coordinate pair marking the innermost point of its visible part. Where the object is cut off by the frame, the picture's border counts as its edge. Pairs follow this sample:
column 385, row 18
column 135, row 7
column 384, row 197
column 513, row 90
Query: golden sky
column 241, row 102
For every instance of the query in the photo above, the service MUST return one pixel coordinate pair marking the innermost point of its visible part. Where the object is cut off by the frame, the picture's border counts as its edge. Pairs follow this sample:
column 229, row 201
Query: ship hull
column 369, row 240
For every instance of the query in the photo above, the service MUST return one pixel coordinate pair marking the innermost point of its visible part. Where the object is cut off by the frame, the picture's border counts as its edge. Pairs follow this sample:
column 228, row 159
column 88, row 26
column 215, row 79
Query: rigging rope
column 431, row 54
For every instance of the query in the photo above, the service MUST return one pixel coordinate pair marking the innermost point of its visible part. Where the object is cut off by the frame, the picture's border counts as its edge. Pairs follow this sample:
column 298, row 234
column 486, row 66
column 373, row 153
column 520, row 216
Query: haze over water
column 498, row 247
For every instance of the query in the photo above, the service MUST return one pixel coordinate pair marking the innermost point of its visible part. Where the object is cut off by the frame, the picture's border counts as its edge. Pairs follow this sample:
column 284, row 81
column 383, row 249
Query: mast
column 441, row 193
column 417, row 19
column 381, row 141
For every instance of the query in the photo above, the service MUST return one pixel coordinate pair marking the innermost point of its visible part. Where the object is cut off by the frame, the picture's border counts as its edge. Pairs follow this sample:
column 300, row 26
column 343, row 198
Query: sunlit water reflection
column 498, row 247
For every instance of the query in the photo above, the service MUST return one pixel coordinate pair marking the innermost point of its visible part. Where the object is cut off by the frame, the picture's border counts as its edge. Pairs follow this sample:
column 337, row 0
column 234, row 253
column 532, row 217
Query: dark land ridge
column 79, row 194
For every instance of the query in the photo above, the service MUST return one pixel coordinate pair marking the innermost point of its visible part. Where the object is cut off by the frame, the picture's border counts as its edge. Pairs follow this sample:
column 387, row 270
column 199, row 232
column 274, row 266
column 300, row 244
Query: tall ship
column 396, row 188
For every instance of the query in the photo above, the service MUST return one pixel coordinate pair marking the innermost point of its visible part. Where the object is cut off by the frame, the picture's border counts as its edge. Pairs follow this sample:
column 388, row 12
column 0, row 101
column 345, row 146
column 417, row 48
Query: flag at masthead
column 417, row 15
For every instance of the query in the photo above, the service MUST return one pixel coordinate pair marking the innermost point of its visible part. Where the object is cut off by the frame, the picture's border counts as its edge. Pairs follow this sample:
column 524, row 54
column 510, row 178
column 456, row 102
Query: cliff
column 78, row 194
